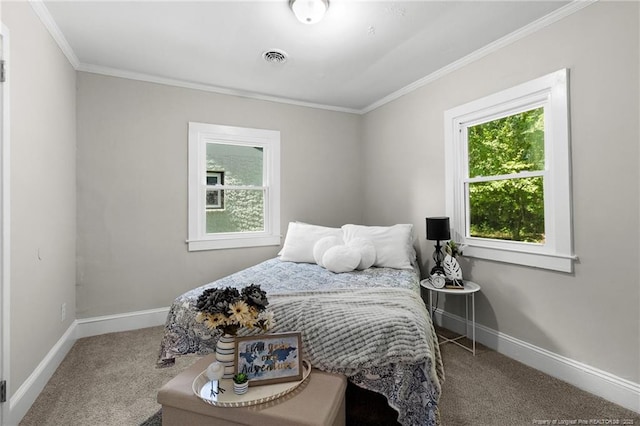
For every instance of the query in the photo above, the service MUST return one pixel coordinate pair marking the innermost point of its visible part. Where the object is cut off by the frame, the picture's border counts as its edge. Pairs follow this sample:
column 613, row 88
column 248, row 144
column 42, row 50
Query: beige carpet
column 112, row 380
column 105, row 380
column 491, row 389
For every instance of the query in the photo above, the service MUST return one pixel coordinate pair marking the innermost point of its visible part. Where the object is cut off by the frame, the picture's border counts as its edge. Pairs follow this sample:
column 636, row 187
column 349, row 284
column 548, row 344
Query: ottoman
column 319, row 401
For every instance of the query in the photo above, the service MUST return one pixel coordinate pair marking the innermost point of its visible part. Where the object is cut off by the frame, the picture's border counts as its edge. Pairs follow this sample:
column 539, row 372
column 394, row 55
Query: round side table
column 469, row 290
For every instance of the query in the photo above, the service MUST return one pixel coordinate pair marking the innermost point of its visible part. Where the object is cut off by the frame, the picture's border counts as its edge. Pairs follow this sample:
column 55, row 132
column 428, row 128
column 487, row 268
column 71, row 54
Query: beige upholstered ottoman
column 319, row 401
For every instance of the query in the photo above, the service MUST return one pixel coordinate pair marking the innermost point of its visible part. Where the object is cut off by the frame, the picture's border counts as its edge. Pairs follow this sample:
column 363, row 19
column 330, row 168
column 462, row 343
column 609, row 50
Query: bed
column 370, row 325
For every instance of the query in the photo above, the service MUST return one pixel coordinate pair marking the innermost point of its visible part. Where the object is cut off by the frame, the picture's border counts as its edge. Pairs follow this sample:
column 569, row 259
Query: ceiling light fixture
column 309, row 11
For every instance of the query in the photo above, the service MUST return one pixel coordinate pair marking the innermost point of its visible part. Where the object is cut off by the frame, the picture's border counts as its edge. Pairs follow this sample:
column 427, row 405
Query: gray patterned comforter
column 370, row 325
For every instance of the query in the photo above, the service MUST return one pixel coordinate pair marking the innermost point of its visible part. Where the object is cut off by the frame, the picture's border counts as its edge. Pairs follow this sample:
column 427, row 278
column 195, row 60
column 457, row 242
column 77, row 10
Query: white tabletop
column 469, row 287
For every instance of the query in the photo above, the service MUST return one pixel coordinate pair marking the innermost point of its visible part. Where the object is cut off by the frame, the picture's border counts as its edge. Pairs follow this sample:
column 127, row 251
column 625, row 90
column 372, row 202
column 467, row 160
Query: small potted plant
column 240, row 383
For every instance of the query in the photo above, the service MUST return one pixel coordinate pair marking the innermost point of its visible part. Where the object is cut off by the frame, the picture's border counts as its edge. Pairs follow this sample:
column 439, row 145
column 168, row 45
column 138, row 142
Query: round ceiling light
column 309, row 11
column 275, row 56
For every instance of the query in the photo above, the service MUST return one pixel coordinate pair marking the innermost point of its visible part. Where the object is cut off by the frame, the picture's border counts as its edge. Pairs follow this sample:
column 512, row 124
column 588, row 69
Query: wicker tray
column 255, row 395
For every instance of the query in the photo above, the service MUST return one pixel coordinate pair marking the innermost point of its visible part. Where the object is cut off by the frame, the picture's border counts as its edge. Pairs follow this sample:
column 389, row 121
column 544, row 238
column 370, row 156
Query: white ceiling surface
column 360, row 53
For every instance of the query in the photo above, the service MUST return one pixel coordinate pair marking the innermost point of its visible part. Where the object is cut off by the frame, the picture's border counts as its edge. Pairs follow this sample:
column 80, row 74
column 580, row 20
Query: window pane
column 243, row 212
column 215, row 199
column 511, row 209
column 215, row 177
column 242, row 165
column 508, row 145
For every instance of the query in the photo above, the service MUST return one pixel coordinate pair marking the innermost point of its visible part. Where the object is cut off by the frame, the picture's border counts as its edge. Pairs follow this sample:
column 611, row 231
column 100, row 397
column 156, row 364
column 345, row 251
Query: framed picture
column 270, row 358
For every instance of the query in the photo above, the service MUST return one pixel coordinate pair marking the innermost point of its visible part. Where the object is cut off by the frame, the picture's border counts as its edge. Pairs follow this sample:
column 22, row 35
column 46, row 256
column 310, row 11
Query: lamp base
column 438, row 257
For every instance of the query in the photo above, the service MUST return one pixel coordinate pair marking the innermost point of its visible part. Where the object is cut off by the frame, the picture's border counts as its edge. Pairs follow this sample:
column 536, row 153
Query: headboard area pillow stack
column 301, row 237
column 393, row 244
column 350, row 247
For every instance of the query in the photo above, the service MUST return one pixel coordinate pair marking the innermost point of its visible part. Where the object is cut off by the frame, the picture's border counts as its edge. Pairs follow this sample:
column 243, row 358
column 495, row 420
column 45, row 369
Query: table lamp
column 438, row 230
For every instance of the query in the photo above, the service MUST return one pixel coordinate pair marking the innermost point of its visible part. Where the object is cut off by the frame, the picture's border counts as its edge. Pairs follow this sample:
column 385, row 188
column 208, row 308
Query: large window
column 508, row 175
column 234, row 187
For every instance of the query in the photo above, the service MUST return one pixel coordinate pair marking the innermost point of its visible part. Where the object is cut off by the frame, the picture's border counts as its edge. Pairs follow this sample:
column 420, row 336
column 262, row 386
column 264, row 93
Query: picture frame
column 270, row 358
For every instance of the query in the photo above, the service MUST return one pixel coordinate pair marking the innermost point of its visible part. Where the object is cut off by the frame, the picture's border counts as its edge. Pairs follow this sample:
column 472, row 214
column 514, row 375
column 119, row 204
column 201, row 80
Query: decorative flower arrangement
column 228, row 309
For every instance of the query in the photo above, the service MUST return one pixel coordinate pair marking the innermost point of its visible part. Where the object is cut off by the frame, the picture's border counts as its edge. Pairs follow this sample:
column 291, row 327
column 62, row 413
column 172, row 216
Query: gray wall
column 132, row 186
column 592, row 315
column 43, row 190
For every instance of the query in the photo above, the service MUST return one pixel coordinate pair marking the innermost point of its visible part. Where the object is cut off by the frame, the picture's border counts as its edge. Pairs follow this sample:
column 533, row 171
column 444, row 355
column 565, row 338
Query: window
column 508, row 175
column 234, row 187
column 215, row 197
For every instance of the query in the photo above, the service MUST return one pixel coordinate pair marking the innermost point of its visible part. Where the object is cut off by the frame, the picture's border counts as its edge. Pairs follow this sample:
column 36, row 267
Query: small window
column 215, row 197
column 508, row 175
column 234, row 187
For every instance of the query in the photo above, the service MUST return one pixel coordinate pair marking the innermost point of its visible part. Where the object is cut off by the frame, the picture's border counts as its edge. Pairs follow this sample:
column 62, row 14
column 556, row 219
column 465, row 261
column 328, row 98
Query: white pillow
column 324, row 244
column 300, row 239
column 394, row 244
column 341, row 258
column 367, row 252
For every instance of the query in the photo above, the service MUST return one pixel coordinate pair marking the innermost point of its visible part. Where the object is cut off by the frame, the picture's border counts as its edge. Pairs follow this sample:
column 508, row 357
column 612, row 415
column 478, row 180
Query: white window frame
column 269, row 140
column 550, row 92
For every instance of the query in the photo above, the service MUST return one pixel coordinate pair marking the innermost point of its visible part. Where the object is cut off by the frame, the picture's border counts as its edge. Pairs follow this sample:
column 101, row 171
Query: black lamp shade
column 438, row 228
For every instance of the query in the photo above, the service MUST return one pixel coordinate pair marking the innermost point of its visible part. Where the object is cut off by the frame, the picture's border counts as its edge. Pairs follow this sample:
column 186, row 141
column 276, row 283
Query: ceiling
column 360, row 54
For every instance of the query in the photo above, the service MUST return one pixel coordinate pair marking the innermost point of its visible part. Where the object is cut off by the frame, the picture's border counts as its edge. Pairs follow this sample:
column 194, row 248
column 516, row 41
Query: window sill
column 552, row 261
column 234, row 242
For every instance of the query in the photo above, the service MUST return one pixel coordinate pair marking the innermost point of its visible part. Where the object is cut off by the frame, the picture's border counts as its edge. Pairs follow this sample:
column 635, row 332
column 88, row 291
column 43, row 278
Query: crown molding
column 41, row 10
column 149, row 78
column 561, row 13
column 529, row 29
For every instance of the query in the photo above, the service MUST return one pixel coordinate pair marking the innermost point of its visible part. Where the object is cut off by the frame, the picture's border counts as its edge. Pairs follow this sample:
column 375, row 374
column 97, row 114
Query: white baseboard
column 121, row 322
column 608, row 386
column 598, row 382
column 25, row 396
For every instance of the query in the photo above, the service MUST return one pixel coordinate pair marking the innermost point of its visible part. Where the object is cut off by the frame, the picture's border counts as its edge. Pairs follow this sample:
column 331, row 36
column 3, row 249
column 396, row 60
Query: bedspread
column 370, row 325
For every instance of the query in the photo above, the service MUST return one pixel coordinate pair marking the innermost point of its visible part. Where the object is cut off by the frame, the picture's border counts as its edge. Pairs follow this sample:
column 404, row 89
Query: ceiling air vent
column 275, row 56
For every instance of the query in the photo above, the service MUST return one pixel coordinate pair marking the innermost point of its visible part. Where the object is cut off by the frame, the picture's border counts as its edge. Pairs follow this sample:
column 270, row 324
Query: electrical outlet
column 63, row 312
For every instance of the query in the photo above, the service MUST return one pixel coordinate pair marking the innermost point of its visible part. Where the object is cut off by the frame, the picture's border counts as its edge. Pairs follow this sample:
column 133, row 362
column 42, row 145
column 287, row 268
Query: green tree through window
column 506, row 162
column 508, row 169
